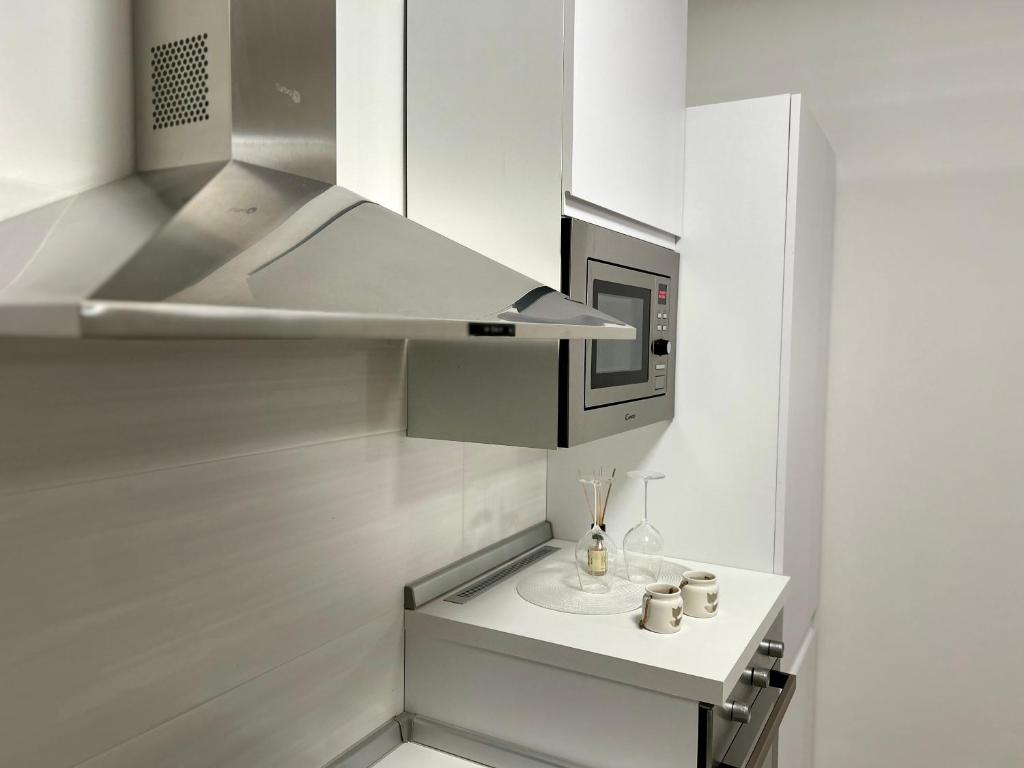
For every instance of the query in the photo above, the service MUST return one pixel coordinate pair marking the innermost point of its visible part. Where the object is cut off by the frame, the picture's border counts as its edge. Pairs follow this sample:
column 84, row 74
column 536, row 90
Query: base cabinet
column 468, row 695
column 580, row 719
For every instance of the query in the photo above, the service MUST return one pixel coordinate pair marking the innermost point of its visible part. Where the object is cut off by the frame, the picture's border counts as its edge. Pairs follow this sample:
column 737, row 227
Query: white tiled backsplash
column 203, row 544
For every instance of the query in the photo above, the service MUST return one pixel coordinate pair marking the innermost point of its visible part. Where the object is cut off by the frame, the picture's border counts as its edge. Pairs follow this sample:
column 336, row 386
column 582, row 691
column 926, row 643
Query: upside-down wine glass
column 643, row 546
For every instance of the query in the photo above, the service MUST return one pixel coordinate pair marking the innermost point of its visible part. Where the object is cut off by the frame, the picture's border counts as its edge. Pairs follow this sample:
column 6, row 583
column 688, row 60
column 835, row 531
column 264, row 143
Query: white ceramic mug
column 662, row 609
column 700, row 594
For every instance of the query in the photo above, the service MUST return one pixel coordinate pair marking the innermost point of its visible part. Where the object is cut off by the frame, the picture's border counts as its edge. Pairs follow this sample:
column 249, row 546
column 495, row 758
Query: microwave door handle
column 770, row 733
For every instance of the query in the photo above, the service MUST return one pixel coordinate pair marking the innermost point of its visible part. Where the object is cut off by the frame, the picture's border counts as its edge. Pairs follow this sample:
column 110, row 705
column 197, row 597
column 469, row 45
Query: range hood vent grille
column 180, row 75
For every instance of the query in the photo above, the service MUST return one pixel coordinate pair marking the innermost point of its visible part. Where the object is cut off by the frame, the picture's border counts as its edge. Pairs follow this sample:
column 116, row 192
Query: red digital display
column 662, row 293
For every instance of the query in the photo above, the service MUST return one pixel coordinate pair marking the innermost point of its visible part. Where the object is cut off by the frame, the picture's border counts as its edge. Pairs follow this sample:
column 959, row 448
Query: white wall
column 924, row 484
column 65, row 119
column 920, row 605
column 203, row 544
column 909, row 87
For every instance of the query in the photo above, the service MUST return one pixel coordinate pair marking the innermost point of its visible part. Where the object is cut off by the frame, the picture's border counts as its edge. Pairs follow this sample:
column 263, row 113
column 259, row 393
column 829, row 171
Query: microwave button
column 660, row 367
column 659, row 383
column 661, row 347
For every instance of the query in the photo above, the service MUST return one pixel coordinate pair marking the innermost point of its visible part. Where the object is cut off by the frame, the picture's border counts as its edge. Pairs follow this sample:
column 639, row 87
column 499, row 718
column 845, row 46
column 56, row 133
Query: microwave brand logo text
column 630, row 416
column 291, row 93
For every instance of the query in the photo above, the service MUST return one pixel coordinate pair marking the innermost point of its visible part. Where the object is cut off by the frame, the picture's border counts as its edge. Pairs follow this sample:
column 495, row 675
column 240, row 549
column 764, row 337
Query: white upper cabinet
column 628, row 112
column 518, row 112
column 484, row 127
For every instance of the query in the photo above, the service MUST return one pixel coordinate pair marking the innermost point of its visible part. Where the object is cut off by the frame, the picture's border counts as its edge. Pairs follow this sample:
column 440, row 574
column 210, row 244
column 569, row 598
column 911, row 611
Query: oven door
column 752, row 745
column 621, row 371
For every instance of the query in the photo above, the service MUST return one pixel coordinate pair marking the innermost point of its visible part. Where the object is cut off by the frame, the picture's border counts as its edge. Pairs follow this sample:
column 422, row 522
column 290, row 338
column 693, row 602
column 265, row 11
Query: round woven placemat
column 554, row 584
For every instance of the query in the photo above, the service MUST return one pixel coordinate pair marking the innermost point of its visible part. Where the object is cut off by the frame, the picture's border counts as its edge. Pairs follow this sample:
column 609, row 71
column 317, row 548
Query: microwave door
column 622, row 364
column 620, row 371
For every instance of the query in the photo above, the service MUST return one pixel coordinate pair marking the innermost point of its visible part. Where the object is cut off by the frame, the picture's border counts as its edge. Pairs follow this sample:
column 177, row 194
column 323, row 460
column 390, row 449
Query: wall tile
column 303, row 713
column 133, row 599
column 74, row 411
column 505, row 492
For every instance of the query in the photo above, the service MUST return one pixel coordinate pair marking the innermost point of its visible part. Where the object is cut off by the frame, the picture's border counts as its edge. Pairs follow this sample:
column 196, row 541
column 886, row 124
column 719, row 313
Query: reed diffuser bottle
column 596, row 553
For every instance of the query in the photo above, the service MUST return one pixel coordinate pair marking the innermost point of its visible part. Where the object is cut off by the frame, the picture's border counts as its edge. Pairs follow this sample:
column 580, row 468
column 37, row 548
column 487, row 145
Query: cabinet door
column 628, row 108
column 804, row 381
column 484, row 127
column 796, row 735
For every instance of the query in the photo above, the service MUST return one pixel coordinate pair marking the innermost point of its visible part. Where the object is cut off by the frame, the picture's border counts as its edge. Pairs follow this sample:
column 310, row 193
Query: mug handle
column 643, row 613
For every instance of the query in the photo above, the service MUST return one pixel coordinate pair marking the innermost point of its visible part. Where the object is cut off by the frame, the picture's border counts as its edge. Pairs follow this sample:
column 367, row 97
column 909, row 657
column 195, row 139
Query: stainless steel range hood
column 233, row 228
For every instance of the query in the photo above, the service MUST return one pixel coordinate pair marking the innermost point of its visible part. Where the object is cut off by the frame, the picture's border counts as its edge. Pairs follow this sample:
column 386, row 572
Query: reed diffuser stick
column 607, row 495
column 586, row 497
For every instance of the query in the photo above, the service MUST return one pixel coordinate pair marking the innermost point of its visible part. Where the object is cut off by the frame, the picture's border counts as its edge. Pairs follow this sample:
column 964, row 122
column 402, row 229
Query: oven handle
column 770, row 733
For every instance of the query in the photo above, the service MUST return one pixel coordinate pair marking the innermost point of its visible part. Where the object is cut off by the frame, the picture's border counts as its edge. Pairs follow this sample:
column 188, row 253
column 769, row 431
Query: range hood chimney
column 232, row 226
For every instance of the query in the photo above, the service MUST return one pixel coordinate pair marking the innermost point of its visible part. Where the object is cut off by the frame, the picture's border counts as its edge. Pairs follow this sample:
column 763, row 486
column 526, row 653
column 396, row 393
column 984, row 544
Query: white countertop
column 417, row 756
column 702, row 662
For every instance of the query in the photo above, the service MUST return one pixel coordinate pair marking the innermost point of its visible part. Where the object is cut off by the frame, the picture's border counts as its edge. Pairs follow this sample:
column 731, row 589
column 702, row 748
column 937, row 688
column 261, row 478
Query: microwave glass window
column 614, row 363
column 618, row 356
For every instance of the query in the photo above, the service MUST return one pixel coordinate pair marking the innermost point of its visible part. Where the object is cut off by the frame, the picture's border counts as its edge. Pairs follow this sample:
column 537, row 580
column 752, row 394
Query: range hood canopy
column 250, row 238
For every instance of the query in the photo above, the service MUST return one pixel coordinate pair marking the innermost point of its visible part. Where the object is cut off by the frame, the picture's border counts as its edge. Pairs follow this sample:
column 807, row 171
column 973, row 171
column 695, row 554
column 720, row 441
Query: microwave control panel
column 661, row 347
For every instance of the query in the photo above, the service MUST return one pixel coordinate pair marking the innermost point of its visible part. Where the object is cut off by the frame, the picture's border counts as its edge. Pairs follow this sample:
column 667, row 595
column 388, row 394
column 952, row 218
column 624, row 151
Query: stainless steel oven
column 611, row 386
column 744, row 731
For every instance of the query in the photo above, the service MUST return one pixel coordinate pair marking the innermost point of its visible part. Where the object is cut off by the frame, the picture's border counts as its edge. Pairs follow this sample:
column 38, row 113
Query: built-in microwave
column 617, row 385
column 556, row 394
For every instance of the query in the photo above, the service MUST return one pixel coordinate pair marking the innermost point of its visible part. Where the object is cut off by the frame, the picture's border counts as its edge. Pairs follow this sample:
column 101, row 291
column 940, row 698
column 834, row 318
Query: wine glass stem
column 645, row 501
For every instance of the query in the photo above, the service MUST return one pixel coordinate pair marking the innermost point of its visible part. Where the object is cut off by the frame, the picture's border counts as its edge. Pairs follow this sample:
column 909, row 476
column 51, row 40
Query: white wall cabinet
column 628, row 97
column 66, row 108
column 744, row 454
column 520, row 112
